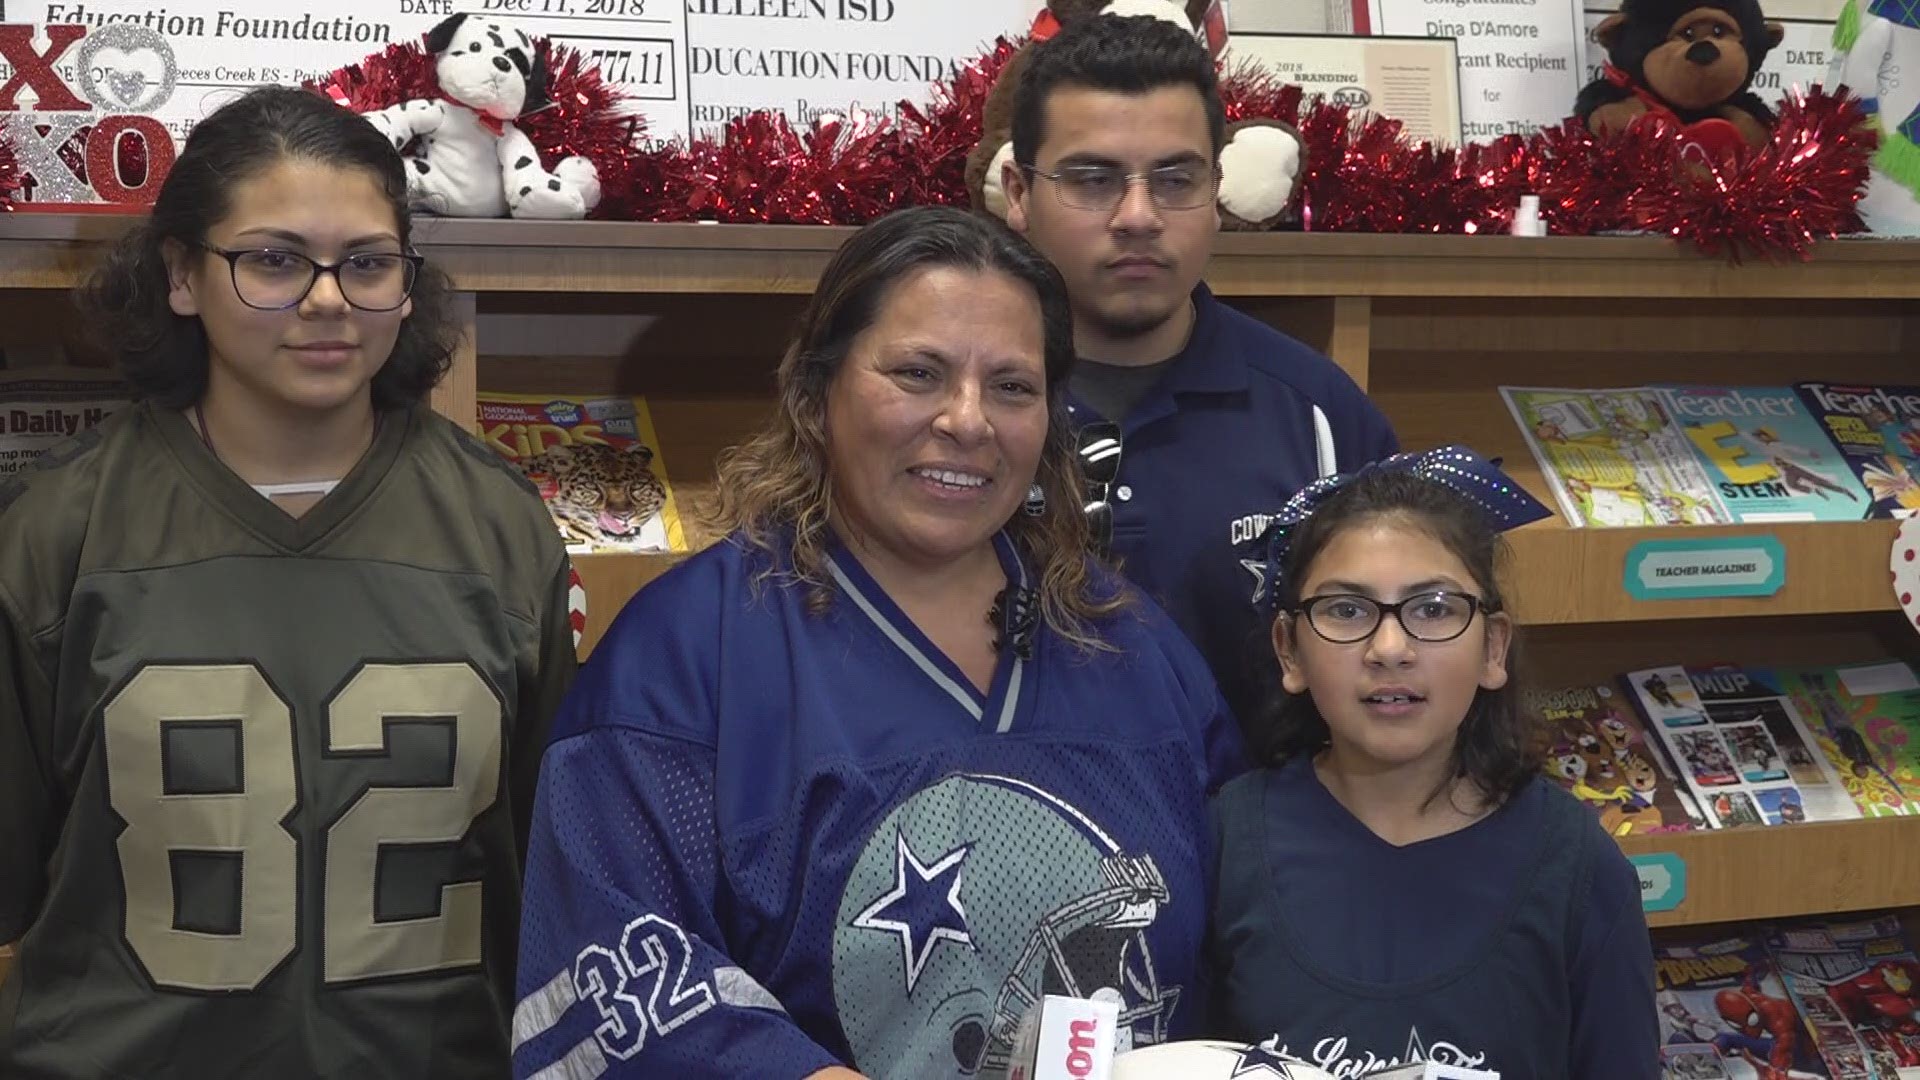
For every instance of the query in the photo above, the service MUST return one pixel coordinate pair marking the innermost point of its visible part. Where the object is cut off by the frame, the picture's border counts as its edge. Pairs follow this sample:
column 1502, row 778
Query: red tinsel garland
column 1367, row 176
column 936, row 142
column 845, row 171
column 587, row 118
column 584, row 116
column 9, row 175
column 1251, row 91
column 1359, row 176
column 395, row 74
column 1803, row 186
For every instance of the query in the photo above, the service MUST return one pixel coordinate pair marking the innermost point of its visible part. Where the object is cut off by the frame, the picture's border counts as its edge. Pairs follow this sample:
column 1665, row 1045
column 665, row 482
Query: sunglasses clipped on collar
column 1098, row 444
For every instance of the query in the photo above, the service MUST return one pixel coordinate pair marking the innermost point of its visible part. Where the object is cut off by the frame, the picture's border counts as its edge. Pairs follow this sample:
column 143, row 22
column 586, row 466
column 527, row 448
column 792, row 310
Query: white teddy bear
column 466, row 158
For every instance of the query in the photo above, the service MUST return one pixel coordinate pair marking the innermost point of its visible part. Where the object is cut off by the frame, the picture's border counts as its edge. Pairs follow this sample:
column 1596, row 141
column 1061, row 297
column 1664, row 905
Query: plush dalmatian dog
column 465, row 158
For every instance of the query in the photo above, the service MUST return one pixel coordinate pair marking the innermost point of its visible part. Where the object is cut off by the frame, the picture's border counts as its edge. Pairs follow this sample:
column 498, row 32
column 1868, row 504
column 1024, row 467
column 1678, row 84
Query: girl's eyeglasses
column 273, row 279
column 1344, row 618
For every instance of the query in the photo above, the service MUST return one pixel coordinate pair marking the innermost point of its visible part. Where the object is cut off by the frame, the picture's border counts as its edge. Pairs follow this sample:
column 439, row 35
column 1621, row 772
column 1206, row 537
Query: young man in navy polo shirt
column 1116, row 137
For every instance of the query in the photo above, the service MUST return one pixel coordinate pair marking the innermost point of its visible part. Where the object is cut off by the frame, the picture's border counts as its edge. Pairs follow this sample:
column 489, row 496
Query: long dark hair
column 774, row 489
column 164, row 355
column 1494, row 748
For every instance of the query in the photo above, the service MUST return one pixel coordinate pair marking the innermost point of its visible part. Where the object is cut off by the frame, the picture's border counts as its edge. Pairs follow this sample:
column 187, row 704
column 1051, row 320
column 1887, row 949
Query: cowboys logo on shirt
column 972, row 899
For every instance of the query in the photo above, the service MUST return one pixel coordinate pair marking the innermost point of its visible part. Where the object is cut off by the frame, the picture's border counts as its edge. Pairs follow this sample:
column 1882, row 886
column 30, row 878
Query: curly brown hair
column 774, row 491
column 163, row 356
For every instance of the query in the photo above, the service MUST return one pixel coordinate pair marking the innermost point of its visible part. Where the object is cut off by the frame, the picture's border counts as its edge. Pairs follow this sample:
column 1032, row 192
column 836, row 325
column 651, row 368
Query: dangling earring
column 1036, row 504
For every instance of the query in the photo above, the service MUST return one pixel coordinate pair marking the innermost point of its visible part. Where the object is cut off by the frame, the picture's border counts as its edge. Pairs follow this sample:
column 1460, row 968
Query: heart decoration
column 1905, row 565
column 129, row 74
column 126, row 69
column 1712, row 140
column 127, row 85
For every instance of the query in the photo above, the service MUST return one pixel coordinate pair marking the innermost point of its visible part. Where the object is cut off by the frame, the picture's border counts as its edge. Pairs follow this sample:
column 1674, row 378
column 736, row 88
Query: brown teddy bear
column 1689, row 62
column 1259, row 165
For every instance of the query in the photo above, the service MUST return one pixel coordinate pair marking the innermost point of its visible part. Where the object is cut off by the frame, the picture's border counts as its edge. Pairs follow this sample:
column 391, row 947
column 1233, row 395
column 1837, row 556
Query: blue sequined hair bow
column 1479, row 481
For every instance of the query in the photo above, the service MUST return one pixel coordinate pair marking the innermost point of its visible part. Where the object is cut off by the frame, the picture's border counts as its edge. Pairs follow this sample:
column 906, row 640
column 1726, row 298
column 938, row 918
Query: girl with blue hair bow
column 1399, row 882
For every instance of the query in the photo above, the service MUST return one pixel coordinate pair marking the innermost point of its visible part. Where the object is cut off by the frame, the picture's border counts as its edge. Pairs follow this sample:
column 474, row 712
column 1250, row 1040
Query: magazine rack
column 694, row 317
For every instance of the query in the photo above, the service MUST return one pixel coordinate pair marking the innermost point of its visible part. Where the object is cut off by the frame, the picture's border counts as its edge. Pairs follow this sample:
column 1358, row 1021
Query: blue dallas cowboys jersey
column 769, row 840
column 1245, row 417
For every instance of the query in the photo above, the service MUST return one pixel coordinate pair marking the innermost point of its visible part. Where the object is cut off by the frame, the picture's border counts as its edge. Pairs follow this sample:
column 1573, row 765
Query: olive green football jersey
column 264, row 779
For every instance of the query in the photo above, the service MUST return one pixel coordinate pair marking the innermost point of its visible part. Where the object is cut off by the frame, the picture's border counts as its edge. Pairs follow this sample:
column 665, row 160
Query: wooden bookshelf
column 1576, row 575
column 609, row 580
column 50, row 251
column 1775, row 872
column 1431, row 326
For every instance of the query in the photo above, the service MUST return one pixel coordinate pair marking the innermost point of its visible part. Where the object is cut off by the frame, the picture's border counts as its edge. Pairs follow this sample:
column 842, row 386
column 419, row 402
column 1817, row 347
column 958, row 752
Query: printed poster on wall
column 181, row 60
column 809, row 57
column 691, row 65
column 1521, row 61
column 1413, row 80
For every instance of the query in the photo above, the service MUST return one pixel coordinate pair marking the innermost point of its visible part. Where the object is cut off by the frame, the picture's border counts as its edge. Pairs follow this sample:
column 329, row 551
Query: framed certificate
column 1414, row 80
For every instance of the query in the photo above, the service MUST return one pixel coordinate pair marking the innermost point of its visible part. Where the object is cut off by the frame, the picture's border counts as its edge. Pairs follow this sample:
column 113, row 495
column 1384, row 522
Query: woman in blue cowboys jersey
column 852, row 788
column 278, row 650
column 1401, row 883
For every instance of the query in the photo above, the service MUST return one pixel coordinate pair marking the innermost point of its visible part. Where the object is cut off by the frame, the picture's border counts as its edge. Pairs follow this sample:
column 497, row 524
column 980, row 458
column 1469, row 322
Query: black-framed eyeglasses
column 275, row 279
column 1185, row 186
column 1344, row 618
column 1098, row 444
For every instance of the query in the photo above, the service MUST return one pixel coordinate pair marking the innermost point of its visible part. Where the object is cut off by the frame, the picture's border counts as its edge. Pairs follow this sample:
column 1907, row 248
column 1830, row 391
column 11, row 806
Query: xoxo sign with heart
column 135, row 81
column 124, row 71
column 1906, row 569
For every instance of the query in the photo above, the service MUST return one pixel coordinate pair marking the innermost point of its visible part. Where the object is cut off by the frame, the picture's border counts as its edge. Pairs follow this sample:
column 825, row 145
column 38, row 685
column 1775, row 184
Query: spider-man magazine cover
column 1725, row 1015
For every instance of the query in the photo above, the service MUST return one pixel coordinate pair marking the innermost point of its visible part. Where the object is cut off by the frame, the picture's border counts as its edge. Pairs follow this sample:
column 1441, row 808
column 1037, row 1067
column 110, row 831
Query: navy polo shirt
column 1244, row 417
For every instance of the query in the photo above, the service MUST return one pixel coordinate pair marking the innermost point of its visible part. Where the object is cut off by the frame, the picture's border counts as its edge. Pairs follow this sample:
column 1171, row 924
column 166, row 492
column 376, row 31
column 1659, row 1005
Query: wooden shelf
column 52, row 251
column 1563, row 575
column 1429, row 325
column 610, row 581
column 1772, row 872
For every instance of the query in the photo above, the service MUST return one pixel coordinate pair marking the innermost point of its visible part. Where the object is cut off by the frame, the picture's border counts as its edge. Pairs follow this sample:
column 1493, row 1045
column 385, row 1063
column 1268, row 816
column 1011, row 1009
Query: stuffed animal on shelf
column 465, row 157
column 1876, row 54
column 1258, row 166
column 1686, row 62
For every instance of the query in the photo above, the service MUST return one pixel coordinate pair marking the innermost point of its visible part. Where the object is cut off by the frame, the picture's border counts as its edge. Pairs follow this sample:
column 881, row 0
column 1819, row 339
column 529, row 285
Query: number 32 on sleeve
column 247, row 822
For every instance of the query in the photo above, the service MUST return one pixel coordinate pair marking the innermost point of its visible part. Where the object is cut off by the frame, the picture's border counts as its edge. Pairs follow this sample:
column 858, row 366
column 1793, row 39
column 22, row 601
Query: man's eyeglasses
column 1344, row 618
column 273, row 279
column 1098, row 445
column 1187, row 186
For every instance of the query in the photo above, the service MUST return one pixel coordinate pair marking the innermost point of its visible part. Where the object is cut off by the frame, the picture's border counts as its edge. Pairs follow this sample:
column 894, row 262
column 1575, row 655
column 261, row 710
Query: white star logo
column 919, row 907
column 1265, row 1061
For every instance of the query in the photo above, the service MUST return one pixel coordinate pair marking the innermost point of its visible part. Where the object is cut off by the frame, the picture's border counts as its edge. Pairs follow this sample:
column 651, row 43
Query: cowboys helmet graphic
column 971, row 900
